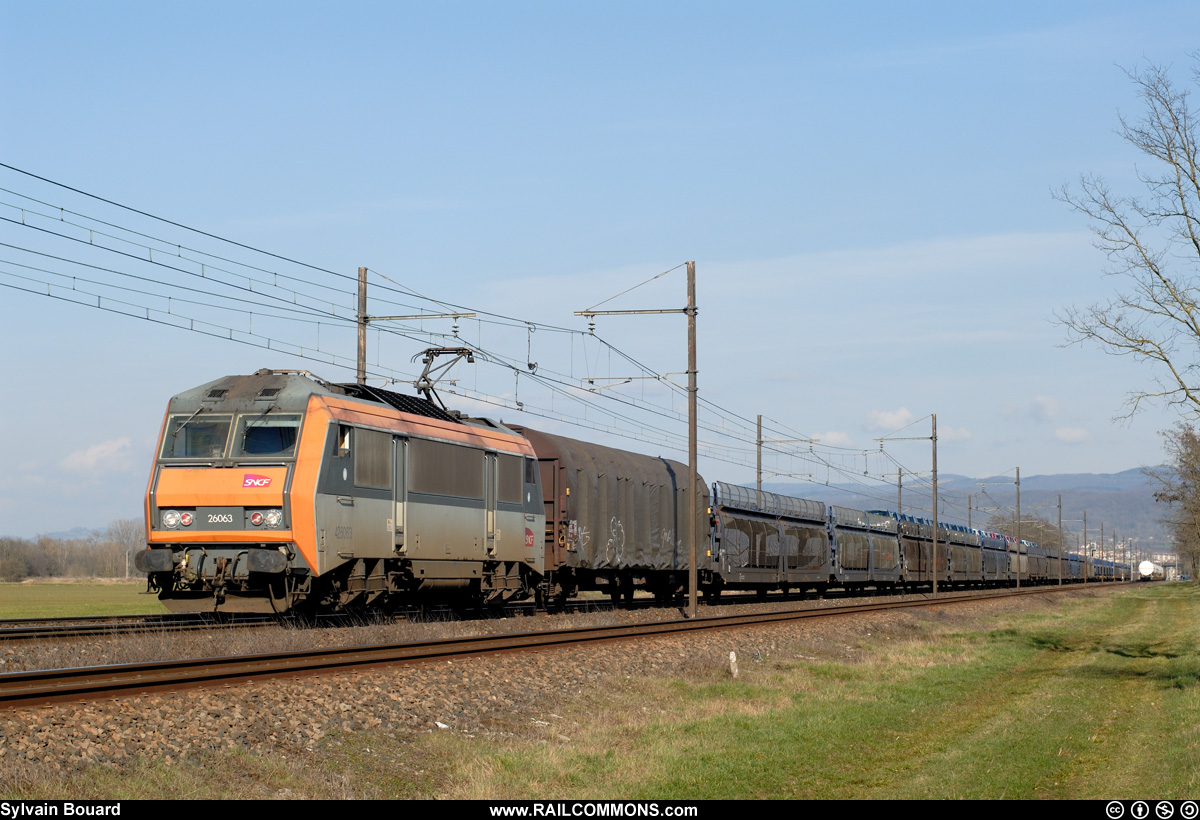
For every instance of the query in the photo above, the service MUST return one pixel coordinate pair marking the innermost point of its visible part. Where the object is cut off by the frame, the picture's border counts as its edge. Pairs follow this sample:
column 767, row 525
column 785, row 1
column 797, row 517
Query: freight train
column 280, row 491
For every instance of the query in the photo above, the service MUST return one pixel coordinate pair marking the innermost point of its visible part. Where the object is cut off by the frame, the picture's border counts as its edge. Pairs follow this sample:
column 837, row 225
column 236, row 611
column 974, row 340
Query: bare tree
column 1179, row 487
column 1153, row 246
column 129, row 535
column 1036, row 529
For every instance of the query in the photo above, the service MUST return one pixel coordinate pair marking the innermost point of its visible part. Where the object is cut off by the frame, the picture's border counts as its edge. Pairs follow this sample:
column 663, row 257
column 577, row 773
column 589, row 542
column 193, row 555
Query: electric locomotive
column 279, row 490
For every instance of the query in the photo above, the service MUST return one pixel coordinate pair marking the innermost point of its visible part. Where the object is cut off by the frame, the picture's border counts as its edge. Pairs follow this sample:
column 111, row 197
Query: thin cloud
column 1040, row 408
column 1071, row 435
column 833, row 438
column 1044, row 408
column 888, row 419
column 107, row 454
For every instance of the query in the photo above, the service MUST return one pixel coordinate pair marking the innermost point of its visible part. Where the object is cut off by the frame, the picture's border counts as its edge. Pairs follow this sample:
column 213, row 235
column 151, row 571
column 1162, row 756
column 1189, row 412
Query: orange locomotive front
column 278, row 491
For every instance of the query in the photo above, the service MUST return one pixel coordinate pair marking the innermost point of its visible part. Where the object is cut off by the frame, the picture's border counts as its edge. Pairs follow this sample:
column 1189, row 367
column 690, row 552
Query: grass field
column 1098, row 700
column 1085, row 698
column 77, row 599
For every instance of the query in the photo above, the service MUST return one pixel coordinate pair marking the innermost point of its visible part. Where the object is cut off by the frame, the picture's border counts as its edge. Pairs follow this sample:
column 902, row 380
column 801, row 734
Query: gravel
column 498, row 695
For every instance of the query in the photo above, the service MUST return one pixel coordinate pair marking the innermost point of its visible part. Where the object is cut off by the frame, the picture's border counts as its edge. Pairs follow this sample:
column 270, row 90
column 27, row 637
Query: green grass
column 1098, row 700
column 1088, row 698
column 79, row 599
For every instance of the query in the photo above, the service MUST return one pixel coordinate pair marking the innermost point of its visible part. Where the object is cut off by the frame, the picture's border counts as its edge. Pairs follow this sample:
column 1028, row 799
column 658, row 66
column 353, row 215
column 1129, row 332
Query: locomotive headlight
column 256, row 518
column 170, row 519
column 274, row 518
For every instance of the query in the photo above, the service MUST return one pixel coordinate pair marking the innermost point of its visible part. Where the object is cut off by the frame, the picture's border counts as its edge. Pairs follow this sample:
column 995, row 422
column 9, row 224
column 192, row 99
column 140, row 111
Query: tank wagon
column 280, row 491
column 1150, row 571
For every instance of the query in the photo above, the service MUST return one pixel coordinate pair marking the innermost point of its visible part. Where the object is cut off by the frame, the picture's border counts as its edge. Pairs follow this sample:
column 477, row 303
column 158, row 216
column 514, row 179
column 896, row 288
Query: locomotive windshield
column 196, row 436
column 265, row 435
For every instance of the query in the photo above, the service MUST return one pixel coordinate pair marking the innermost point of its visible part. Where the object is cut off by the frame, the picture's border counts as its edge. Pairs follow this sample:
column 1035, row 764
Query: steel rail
column 43, row 628
column 27, row 688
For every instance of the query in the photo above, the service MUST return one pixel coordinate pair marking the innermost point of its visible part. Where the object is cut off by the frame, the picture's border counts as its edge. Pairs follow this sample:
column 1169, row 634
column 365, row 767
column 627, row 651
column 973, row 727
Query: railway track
column 31, row 629
column 44, row 628
column 46, row 686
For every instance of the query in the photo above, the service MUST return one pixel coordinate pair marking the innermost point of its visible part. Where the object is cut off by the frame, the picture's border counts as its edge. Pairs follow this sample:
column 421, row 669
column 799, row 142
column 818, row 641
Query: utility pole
column 899, row 490
column 1018, row 523
column 758, row 474
column 1060, row 539
column 932, row 438
column 693, row 549
column 935, row 507
column 1082, row 546
column 694, row 511
column 1018, row 528
column 362, row 325
column 1114, row 553
column 364, row 320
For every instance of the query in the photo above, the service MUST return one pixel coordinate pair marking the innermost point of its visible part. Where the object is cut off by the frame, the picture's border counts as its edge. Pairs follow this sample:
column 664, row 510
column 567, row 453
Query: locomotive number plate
column 220, row 518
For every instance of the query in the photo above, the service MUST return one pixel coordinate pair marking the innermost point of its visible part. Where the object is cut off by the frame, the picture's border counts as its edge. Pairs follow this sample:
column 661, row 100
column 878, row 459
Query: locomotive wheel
column 278, row 595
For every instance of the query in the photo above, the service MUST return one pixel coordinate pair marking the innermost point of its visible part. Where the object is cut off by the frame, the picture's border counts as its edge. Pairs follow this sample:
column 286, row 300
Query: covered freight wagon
column 615, row 521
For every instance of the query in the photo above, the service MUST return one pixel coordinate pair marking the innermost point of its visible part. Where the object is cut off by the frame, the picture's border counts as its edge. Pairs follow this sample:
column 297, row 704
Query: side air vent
column 215, row 394
column 267, row 393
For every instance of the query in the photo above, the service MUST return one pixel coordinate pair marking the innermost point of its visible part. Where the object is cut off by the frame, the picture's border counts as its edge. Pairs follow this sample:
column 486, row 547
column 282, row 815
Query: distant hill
column 1124, row 501
column 74, row 534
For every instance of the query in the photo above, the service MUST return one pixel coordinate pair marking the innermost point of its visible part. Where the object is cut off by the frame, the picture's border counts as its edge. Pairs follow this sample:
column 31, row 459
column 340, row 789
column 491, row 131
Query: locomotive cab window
column 266, row 435
column 197, row 435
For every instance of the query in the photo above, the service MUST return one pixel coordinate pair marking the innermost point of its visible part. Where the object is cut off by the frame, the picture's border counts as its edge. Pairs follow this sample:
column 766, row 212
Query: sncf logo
column 252, row 480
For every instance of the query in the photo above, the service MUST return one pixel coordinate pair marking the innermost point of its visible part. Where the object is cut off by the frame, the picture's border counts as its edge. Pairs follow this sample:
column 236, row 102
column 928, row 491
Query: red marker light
column 256, row 519
column 186, row 519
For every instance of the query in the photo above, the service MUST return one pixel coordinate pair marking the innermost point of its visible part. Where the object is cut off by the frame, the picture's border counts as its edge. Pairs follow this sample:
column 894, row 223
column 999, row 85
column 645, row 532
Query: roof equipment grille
column 405, row 404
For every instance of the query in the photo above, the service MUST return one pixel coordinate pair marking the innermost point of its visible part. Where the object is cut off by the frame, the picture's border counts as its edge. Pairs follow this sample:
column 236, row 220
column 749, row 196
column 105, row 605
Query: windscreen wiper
column 187, row 421
column 249, row 424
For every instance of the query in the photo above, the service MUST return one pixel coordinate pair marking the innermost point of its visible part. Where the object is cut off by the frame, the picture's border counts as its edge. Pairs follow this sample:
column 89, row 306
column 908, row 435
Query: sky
column 866, row 191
